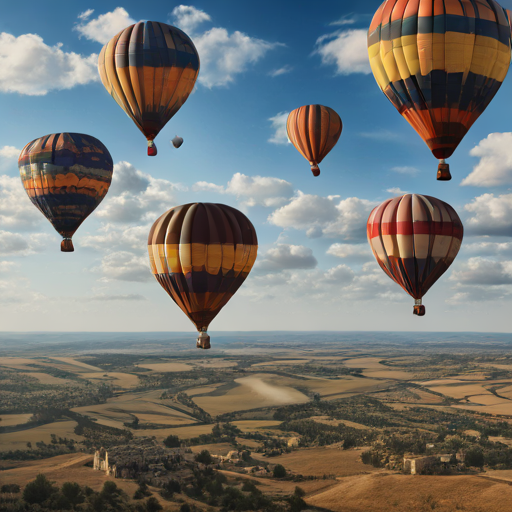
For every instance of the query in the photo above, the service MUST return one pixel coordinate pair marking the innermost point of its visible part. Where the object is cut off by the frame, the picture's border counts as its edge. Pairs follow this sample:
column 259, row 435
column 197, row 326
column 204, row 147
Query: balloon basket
column 67, row 245
column 419, row 310
column 443, row 172
column 315, row 170
column 203, row 341
column 152, row 148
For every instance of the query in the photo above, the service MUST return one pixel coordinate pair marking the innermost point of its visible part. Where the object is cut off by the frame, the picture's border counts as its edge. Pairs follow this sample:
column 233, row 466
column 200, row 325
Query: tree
column 475, row 457
column 10, row 488
column 279, row 471
column 29, row 445
column 296, row 502
column 73, row 493
column 185, row 508
column 172, row 441
column 39, row 490
column 153, row 505
column 204, row 457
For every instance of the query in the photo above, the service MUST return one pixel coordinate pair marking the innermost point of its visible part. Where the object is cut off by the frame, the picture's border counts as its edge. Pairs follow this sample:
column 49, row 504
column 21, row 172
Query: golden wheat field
column 182, row 432
column 9, row 420
column 384, row 491
column 44, row 378
column 167, row 367
column 326, row 420
column 74, row 362
column 322, row 461
column 123, row 380
column 19, row 440
column 203, row 390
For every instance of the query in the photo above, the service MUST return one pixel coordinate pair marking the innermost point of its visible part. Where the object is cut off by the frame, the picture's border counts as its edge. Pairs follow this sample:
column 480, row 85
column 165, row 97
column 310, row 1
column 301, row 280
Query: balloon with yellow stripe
column 440, row 63
column 201, row 253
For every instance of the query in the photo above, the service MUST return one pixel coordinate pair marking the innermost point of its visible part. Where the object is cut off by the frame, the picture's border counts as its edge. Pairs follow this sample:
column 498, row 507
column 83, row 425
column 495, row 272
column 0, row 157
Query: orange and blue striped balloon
column 440, row 63
column 150, row 69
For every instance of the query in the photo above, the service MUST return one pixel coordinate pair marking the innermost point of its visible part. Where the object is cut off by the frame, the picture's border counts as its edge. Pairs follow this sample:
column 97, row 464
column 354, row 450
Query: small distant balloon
column 177, row 142
column 414, row 239
column 314, row 130
column 66, row 176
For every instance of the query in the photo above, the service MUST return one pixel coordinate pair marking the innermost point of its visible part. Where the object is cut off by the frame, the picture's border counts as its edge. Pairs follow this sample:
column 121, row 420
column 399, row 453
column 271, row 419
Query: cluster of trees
column 221, row 433
column 42, row 495
column 198, row 413
column 42, row 451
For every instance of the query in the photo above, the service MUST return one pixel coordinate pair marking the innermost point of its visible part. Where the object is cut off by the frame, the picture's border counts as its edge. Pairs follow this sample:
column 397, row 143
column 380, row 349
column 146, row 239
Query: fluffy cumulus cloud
column 488, row 248
column 16, row 209
column 490, row 215
column 124, row 266
column 27, row 56
column 481, row 279
column 252, row 190
column 9, row 152
column 136, row 196
column 495, row 165
column 16, row 244
column 339, row 283
column 103, row 28
column 329, row 216
column 225, row 55
column 347, row 50
column 406, row 169
column 285, row 256
column 117, row 237
column 17, row 293
column 484, row 272
column 280, row 135
column 396, row 191
column 188, row 18
column 350, row 251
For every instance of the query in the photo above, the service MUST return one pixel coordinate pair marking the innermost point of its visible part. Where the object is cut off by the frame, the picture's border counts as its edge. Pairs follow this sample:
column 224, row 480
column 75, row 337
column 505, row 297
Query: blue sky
column 315, row 270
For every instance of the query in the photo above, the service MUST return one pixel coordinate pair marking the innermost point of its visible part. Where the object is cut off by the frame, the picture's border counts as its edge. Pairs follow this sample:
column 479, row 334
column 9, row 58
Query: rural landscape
column 346, row 422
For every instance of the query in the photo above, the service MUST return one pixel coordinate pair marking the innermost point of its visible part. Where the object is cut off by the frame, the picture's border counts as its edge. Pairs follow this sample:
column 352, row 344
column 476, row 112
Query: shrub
column 279, row 471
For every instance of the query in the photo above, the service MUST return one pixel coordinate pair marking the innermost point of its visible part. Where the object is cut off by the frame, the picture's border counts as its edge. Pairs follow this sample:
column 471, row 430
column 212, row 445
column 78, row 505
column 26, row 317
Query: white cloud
column 108, row 298
column 280, row 135
column 136, row 196
column 281, row 71
column 9, row 152
column 16, row 209
column 16, row 293
column 326, row 216
column 351, row 251
column 491, row 215
column 488, row 248
column 111, row 236
column 484, row 272
column 22, row 245
column 105, row 26
column 495, row 166
column 223, row 56
column 6, row 266
column 396, row 191
column 252, row 190
column 405, row 170
column 285, row 256
column 347, row 50
column 86, row 14
column 47, row 67
column 348, row 19
column 187, row 17
column 124, row 266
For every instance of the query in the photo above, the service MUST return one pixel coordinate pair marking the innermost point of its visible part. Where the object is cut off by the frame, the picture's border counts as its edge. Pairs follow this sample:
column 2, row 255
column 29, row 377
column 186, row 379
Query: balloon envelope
column 150, row 69
column 440, row 63
column 177, row 142
column 201, row 253
column 66, row 176
column 314, row 130
column 414, row 238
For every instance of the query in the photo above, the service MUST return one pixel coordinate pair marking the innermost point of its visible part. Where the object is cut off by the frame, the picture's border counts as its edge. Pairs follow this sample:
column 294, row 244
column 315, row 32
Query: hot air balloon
column 440, row 63
column 66, row 176
column 314, row 130
column 177, row 142
column 414, row 239
column 150, row 69
column 201, row 253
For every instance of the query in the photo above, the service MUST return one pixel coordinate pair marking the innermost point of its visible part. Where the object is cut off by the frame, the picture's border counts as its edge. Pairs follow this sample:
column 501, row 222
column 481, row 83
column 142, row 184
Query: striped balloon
column 150, row 69
column 314, row 130
column 440, row 63
column 415, row 239
column 66, row 176
column 201, row 253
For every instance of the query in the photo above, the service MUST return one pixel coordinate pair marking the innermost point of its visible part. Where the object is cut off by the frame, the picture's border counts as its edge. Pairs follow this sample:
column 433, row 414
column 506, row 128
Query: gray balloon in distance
column 177, row 142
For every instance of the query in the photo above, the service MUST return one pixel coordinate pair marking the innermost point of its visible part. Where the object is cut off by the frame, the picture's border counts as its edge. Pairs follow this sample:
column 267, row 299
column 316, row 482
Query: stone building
column 414, row 465
column 100, row 463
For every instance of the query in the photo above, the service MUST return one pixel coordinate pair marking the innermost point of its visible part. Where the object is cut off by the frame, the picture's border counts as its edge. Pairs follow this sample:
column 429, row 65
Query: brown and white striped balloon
column 415, row 238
